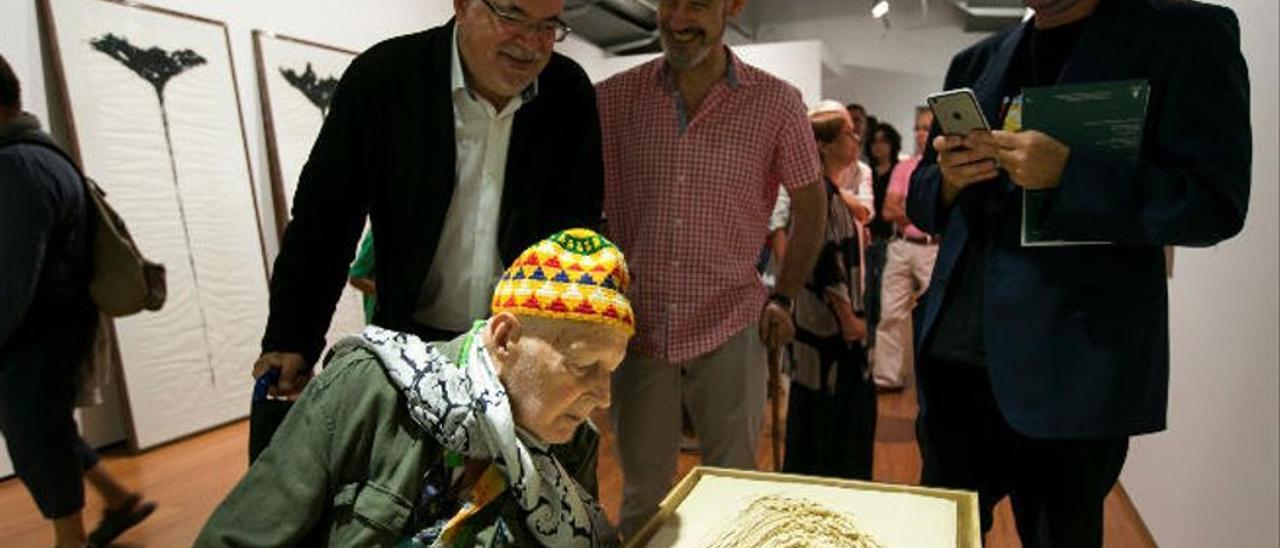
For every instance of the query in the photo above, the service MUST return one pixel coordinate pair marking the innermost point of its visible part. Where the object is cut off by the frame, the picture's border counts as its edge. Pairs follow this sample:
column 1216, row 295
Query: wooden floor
column 188, row 478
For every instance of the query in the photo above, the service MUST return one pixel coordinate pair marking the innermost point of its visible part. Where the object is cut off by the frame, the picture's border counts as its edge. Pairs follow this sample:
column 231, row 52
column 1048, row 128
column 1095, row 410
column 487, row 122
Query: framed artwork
column 151, row 111
column 296, row 82
column 718, row 507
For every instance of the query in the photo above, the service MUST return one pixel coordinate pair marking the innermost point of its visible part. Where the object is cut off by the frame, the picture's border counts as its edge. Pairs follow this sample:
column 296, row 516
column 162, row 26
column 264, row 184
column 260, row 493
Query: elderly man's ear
column 505, row 331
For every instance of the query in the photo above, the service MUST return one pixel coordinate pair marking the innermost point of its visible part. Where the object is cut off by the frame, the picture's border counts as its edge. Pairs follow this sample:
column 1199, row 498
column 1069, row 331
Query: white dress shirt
column 857, row 181
column 459, row 286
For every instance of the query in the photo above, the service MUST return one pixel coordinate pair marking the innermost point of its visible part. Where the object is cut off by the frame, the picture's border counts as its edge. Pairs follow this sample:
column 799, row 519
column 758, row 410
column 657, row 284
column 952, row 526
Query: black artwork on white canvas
column 318, row 91
column 157, row 67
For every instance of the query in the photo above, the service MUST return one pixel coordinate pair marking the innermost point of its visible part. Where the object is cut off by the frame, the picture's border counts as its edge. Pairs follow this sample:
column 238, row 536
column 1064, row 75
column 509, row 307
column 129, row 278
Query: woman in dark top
column 832, row 406
column 885, row 144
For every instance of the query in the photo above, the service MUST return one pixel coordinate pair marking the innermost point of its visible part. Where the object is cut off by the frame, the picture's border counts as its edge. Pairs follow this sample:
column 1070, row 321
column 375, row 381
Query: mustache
column 518, row 53
column 684, row 33
column 585, row 406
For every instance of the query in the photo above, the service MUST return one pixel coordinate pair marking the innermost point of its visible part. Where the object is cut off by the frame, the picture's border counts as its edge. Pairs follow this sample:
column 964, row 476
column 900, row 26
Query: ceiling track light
column 880, row 9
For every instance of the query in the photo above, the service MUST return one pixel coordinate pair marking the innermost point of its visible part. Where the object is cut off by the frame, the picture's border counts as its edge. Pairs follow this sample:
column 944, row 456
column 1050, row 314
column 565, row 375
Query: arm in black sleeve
column 329, row 209
column 27, row 213
column 1191, row 184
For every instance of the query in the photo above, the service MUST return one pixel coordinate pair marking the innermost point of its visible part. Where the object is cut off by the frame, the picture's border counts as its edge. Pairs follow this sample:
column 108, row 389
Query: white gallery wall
column 889, row 71
column 890, row 95
column 1211, row 479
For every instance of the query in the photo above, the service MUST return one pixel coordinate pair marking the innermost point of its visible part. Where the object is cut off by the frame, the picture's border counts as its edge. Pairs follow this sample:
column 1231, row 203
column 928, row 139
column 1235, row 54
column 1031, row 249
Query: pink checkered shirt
column 689, row 203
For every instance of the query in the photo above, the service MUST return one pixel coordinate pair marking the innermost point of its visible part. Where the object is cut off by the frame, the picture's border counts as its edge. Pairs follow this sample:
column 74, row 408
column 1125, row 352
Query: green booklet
column 1106, row 116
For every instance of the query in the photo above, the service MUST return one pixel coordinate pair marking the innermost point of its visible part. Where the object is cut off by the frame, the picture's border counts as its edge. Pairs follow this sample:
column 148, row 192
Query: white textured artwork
column 297, row 79
column 6, row 465
column 150, row 99
column 776, row 521
column 713, row 512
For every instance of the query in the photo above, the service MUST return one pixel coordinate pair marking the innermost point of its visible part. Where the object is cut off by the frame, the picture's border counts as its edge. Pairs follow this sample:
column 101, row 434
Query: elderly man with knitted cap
column 405, row 442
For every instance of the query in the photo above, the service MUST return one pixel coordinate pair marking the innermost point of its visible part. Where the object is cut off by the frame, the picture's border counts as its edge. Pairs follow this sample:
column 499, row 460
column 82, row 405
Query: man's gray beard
column 682, row 61
column 693, row 60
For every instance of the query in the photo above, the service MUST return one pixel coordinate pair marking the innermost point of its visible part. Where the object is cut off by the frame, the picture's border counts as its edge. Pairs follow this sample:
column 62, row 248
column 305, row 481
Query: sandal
column 116, row 521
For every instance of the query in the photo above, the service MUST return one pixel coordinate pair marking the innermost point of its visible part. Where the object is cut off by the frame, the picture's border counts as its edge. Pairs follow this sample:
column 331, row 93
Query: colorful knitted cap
column 575, row 274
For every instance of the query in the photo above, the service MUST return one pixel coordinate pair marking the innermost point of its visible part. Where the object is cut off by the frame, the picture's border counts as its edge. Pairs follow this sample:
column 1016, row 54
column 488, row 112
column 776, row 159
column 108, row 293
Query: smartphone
column 957, row 112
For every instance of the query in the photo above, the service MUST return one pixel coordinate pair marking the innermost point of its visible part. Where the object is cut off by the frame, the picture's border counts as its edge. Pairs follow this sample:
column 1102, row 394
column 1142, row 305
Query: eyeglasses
column 511, row 20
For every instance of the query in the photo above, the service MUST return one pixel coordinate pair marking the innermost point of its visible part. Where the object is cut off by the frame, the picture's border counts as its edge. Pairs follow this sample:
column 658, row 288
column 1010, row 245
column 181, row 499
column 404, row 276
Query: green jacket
column 347, row 467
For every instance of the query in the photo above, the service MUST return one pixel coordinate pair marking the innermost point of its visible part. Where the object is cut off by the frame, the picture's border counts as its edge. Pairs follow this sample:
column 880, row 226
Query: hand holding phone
column 962, row 158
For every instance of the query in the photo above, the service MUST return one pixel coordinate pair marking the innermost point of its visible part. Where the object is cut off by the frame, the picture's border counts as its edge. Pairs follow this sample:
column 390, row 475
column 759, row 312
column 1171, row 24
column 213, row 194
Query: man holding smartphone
column 1036, row 364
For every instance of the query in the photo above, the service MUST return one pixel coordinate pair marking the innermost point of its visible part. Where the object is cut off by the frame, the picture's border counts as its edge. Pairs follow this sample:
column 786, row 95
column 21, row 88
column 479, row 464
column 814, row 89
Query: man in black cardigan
column 463, row 144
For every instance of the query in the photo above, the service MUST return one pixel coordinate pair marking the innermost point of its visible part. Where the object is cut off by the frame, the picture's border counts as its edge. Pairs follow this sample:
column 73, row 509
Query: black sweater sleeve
column 328, row 215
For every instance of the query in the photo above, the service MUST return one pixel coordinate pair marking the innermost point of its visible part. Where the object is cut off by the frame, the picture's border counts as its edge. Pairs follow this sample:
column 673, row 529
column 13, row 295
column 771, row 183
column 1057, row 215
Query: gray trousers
column 724, row 392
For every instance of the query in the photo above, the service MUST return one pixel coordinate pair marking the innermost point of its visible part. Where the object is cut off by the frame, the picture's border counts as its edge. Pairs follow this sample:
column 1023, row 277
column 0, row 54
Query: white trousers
column 906, row 276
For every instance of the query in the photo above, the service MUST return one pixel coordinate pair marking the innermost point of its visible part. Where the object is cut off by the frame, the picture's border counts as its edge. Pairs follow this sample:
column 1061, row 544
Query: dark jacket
column 347, row 468
column 1077, row 338
column 387, row 149
column 46, row 230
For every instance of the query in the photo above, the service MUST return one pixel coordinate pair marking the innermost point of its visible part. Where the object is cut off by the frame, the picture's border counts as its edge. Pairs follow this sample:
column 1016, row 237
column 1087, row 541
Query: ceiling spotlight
column 881, row 9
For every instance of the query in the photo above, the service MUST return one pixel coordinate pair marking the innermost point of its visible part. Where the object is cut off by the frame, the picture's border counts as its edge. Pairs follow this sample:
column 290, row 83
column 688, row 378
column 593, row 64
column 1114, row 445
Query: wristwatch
column 784, row 301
